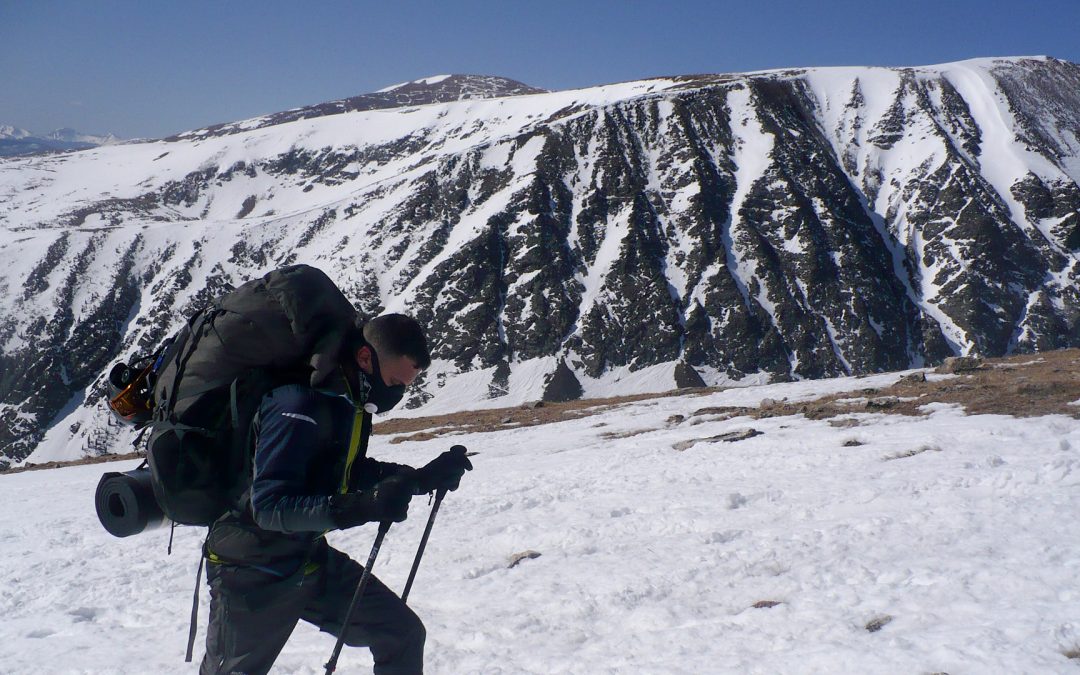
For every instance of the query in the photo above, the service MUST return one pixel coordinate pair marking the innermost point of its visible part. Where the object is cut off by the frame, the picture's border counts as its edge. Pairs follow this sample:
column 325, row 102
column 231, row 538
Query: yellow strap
column 309, row 567
column 354, row 445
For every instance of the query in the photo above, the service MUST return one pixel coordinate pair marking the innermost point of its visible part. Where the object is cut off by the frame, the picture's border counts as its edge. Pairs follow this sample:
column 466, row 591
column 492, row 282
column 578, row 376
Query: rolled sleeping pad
column 125, row 503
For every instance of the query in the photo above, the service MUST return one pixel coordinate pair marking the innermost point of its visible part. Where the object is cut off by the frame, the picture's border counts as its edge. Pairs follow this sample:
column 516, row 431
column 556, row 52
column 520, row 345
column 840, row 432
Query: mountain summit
column 8, row 132
column 436, row 89
column 442, row 88
column 634, row 237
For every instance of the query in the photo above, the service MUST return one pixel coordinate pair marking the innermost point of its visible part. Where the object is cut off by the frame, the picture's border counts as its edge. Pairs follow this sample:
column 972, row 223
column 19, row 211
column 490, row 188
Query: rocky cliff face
column 786, row 224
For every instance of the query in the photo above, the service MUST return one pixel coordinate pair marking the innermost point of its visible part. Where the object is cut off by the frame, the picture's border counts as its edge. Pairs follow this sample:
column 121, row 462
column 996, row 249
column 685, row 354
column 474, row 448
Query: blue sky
column 151, row 68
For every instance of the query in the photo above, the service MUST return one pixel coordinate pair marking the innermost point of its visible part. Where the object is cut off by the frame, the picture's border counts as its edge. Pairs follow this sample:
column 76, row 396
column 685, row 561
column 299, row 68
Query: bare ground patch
column 766, row 604
column 498, row 419
column 1022, row 386
column 74, row 462
column 911, row 453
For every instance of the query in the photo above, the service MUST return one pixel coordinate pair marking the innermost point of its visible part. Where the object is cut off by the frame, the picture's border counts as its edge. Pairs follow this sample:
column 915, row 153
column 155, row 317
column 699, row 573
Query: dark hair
column 394, row 336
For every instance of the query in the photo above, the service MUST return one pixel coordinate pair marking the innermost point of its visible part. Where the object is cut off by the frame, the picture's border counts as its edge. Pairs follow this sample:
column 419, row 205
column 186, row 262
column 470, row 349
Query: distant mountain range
column 15, row 142
column 633, row 237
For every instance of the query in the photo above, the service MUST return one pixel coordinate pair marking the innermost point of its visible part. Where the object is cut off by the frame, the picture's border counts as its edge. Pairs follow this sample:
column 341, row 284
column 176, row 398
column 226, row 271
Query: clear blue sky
column 151, row 67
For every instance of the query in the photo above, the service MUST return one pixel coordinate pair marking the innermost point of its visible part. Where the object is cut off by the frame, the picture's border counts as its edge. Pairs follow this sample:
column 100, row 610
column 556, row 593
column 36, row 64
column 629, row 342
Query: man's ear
column 363, row 359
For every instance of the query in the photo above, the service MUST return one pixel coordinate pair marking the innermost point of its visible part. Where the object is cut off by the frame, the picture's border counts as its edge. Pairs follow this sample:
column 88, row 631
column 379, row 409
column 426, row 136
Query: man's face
column 395, row 370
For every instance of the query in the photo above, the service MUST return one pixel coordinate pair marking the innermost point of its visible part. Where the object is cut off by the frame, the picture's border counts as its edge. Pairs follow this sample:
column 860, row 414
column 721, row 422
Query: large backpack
column 288, row 326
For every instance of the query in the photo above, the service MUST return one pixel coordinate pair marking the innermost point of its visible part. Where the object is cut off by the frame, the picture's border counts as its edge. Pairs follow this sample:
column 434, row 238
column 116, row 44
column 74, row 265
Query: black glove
column 387, row 501
column 444, row 472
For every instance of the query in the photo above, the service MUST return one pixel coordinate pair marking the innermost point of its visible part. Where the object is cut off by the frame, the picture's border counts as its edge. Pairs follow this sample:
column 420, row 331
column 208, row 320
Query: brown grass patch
column 729, row 437
column 74, row 462
column 1028, row 385
column 616, row 435
column 497, row 419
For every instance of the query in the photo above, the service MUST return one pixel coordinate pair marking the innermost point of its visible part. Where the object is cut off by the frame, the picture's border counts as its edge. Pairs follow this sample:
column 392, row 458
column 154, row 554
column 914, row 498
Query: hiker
column 268, row 562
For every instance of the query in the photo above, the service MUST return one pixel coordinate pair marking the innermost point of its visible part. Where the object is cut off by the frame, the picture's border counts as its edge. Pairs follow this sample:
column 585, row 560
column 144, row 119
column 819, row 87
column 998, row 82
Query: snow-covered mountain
column 69, row 135
column 15, row 142
column 8, row 132
column 784, row 224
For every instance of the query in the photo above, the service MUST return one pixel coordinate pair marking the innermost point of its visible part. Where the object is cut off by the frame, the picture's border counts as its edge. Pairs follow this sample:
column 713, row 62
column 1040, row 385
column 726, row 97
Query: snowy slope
column 788, row 224
column 652, row 559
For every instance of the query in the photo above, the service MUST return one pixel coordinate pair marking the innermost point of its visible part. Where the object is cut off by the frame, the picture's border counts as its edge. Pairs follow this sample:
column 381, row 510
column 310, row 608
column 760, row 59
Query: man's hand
column 444, row 472
column 387, row 501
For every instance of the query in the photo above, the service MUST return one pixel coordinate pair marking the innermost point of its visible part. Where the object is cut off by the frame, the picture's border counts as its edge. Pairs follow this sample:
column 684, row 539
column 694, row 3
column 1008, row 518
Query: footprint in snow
column 83, row 614
column 477, row 572
column 41, row 633
column 724, row 537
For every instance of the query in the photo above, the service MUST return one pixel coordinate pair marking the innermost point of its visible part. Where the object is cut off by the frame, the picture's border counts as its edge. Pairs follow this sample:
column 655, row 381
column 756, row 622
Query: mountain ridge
column 424, row 91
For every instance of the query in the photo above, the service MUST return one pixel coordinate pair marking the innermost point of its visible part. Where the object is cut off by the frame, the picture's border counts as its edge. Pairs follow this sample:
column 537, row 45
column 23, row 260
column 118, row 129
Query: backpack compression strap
column 361, row 418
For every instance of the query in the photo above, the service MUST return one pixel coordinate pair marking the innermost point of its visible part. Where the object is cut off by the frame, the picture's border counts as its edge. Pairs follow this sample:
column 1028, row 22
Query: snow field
column 961, row 529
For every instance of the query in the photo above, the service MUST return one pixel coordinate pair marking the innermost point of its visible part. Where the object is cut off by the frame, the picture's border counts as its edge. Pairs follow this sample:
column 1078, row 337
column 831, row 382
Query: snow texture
column 944, row 543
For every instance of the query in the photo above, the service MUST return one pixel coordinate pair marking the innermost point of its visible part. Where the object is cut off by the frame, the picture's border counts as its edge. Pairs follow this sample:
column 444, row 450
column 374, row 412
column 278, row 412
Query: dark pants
column 252, row 614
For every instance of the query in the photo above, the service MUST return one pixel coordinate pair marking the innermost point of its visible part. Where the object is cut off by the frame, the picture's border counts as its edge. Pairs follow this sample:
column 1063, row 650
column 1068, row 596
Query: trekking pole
column 423, row 544
column 331, row 665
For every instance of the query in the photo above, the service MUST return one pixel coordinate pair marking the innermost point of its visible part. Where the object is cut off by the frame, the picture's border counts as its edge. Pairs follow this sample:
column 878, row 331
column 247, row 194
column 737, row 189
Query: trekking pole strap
column 423, row 544
column 194, row 611
column 331, row 665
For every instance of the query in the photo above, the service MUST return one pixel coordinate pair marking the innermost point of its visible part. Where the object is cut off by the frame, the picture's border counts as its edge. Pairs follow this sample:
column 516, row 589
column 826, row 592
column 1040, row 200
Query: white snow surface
column 960, row 528
column 435, row 79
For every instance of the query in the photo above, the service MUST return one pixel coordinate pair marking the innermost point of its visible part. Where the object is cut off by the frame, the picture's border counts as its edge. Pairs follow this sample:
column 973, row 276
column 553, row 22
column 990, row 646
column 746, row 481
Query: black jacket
column 303, row 438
